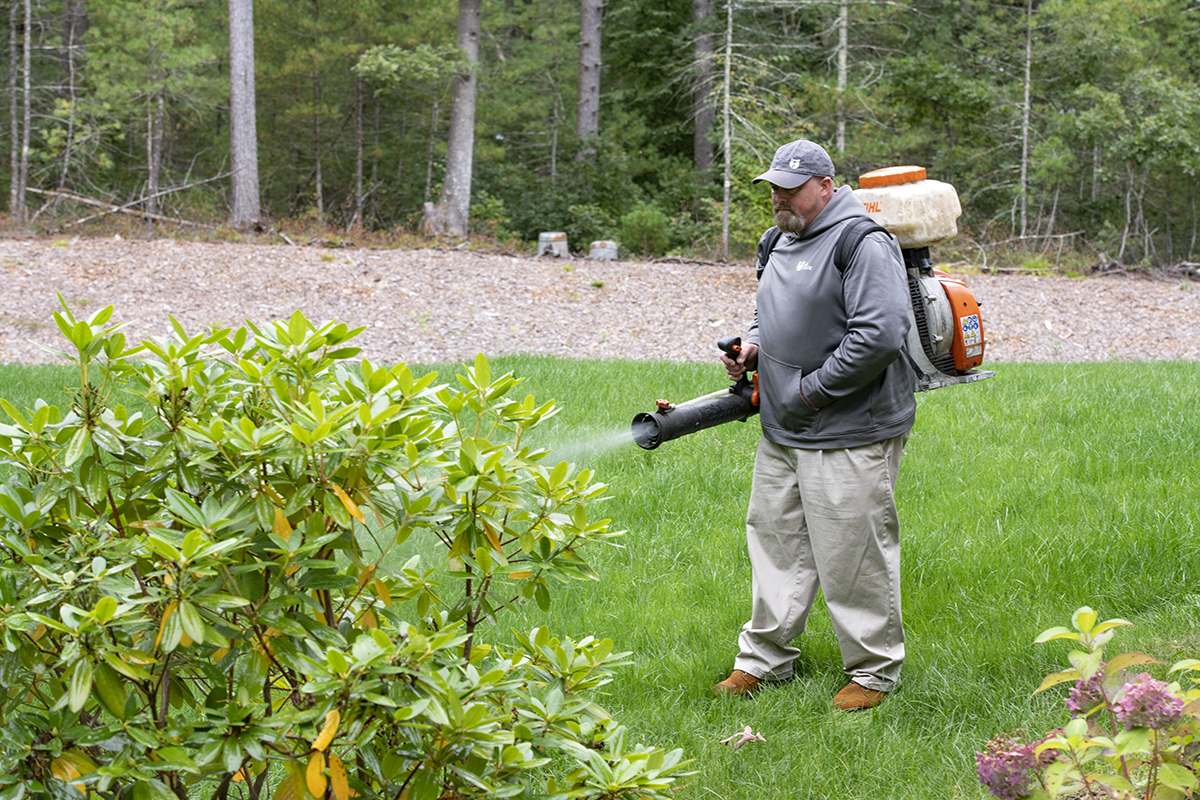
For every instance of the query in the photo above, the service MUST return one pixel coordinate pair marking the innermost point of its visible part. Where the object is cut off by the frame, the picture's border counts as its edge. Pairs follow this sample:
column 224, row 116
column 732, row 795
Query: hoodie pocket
column 783, row 403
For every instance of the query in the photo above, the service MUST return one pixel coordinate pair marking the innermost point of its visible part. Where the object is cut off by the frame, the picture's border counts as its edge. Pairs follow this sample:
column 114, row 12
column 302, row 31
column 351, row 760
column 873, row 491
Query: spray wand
column 670, row 421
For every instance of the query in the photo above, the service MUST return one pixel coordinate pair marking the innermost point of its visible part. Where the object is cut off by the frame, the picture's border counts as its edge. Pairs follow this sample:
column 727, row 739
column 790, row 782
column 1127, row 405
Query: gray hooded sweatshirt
column 829, row 365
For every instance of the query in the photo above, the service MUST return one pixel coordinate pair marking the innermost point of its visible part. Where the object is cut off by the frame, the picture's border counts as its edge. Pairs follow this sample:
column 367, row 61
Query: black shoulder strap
column 849, row 240
column 765, row 245
column 847, row 245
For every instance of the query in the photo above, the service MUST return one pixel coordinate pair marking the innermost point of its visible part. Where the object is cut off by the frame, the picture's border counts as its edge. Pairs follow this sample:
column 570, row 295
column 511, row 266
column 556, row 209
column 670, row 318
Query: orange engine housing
column 969, row 337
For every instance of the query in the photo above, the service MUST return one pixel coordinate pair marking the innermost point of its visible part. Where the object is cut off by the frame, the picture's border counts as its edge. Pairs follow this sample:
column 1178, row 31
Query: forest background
column 1070, row 128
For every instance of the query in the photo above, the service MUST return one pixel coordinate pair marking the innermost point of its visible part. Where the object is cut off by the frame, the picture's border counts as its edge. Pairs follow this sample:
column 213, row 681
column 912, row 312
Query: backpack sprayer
column 945, row 341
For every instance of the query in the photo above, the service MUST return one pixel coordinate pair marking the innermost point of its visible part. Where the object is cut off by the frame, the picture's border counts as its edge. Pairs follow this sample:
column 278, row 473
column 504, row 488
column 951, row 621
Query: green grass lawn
column 1021, row 498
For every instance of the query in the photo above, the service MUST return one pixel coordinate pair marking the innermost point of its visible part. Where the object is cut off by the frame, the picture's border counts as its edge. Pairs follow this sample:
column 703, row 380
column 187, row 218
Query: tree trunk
column 1024, row 188
column 316, row 81
column 587, row 115
column 1053, row 213
column 14, row 125
column 1128, row 213
column 356, row 215
column 243, row 125
column 843, row 47
column 433, row 123
column 451, row 213
column 727, row 138
column 74, row 26
column 374, row 191
column 154, row 148
column 703, row 110
column 27, row 102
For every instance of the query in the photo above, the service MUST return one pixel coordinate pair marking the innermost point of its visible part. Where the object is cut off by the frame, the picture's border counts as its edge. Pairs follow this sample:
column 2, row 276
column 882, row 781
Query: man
column 837, row 406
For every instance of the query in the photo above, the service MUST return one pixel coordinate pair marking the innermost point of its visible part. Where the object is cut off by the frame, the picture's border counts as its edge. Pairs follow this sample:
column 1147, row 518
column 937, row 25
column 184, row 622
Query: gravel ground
column 425, row 306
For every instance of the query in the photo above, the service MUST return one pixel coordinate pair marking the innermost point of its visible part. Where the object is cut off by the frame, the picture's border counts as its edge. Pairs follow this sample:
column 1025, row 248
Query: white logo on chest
column 803, row 265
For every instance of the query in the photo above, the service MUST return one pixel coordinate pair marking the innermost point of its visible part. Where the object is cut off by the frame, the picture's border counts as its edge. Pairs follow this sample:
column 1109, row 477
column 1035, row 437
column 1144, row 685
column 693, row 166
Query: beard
column 789, row 221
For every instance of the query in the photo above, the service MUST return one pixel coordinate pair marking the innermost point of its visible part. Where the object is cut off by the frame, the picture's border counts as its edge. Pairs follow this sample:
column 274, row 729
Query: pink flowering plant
column 1130, row 735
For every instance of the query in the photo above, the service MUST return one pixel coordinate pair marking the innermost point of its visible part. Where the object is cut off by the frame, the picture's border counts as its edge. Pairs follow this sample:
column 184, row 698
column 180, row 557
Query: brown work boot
column 738, row 684
column 857, row 698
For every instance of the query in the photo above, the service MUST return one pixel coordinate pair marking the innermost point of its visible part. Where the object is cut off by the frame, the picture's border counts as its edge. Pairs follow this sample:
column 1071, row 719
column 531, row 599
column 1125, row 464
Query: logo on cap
column 794, row 163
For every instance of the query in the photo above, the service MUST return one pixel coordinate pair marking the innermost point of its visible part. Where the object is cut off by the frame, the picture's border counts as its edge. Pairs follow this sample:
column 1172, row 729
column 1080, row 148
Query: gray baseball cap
column 795, row 163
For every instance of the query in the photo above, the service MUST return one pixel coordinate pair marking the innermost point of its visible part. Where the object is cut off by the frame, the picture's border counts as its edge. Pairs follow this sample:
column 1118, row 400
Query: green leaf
column 297, row 327
column 110, row 690
column 95, row 480
column 10, row 507
column 427, row 785
column 483, row 373
column 1132, row 741
column 1087, row 663
column 1084, row 619
column 559, row 474
column 131, row 671
column 324, row 579
column 16, row 415
column 79, row 684
column 108, row 439
column 1177, row 777
column 184, row 508
column 104, row 609
column 337, row 662
column 191, row 620
column 76, row 447
column 1056, row 633
column 1126, row 660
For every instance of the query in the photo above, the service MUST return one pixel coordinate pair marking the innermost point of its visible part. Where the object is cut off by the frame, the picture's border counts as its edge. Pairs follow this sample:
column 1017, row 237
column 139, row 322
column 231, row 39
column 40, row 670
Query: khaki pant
column 825, row 519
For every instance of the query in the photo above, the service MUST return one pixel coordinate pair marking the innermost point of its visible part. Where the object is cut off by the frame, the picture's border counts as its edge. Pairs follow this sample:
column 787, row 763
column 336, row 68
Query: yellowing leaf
column 517, row 576
column 381, row 589
column 332, row 720
column 368, row 620
column 491, row 537
column 366, row 576
column 72, row 764
column 162, row 625
column 350, row 505
column 337, row 777
column 281, row 527
column 314, row 777
column 62, row 769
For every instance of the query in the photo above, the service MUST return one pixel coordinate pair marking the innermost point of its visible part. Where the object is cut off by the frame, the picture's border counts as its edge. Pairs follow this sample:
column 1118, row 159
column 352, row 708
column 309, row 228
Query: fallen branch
column 111, row 209
column 1034, row 236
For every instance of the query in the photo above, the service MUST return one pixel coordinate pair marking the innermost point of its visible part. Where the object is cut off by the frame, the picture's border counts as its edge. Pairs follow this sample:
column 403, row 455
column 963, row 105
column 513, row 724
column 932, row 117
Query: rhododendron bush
column 219, row 593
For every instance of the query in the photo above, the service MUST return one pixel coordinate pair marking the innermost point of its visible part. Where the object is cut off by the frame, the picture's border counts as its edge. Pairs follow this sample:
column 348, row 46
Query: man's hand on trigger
column 747, row 360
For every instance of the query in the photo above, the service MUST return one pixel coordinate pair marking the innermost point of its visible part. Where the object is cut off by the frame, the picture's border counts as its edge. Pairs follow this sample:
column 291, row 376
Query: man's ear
column 827, row 187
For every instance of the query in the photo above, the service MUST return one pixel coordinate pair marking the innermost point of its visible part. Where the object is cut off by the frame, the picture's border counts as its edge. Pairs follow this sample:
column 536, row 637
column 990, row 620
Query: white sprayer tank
column 919, row 212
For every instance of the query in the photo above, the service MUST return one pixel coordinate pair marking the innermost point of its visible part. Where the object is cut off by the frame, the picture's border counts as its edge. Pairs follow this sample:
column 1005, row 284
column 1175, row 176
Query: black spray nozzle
column 672, row 421
column 652, row 429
